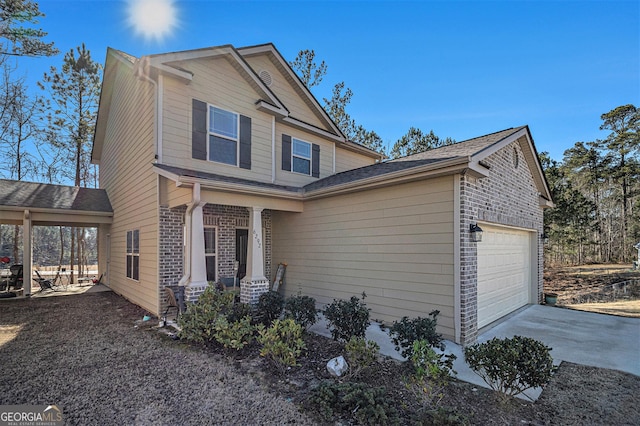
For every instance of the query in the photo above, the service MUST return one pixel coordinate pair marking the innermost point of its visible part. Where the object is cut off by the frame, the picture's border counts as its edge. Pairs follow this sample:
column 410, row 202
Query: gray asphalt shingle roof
column 462, row 149
column 34, row 195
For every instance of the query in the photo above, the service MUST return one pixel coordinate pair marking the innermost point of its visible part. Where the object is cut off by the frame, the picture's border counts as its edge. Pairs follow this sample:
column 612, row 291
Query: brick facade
column 507, row 197
column 226, row 219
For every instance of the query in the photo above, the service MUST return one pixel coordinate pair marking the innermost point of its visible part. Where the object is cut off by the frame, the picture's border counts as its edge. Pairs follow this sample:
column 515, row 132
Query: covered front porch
column 218, row 231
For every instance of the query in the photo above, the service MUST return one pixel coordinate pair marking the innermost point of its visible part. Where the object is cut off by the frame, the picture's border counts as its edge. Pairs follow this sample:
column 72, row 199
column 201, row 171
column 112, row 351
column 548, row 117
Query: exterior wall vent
column 265, row 76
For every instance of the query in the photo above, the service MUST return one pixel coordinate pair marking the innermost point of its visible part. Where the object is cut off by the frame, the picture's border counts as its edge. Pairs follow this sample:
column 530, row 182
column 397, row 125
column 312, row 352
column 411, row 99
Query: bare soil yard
column 608, row 289
column 91, row 355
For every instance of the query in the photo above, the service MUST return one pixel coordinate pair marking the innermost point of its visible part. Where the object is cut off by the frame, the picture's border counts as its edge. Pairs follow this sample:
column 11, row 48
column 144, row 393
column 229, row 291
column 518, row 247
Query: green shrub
column 269, row 307
column 432, row 373
column 281, row 342
column 301, row 309
column 357, row 402
column 361, row 355
column 511, row 366
column 405, row 332
column 347, row 319
column 235, row 335
column 198, row 322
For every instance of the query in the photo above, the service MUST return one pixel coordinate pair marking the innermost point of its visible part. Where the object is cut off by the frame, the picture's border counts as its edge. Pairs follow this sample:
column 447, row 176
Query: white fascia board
column 452, row 166
column 499, row 145
column 271, row 109
column 312, row 129
column 269, row 48
column 238, row 187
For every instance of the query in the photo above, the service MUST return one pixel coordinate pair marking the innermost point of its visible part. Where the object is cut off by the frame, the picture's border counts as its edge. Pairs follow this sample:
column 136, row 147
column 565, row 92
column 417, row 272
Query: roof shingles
column 34, row 195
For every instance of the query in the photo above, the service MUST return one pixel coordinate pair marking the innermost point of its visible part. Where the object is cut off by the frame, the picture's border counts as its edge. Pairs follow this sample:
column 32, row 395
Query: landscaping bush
column 269, row 307
column 361, row 355
column 357, row 402
column 407, row 331
column 511, row 366
column 235, row 335
column 301, row 309
column 432, row 373
column 198, row 322
column 281, row 342
column 347, row 319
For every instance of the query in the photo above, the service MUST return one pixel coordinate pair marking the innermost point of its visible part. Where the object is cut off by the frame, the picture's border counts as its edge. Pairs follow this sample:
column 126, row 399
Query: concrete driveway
column 586, row 338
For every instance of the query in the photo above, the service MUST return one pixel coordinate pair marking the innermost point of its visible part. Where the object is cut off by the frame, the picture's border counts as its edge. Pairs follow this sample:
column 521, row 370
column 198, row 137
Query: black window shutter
column 315, row 160
column 245, row 142
column 286, row 152
column 199, row 130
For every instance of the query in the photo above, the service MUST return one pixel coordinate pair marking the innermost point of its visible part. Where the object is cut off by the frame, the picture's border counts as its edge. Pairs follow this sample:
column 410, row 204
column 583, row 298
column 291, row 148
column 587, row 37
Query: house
column 218, row 156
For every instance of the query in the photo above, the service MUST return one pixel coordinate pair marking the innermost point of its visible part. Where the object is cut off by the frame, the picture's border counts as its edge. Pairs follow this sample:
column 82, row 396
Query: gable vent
column 265, row 76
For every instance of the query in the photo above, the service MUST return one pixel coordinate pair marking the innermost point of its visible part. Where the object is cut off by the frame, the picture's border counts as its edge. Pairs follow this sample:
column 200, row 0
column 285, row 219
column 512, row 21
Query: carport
column 39, row 204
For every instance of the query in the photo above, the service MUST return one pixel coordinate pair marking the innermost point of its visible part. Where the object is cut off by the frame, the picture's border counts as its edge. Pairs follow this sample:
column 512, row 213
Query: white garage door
column 504, row 272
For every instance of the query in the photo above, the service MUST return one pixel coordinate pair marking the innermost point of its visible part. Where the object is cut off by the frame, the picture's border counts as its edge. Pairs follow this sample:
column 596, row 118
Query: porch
column 30, row 204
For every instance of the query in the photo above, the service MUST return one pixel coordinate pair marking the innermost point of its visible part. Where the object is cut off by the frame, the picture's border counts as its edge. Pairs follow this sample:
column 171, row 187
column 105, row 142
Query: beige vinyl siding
column 285, row 92
column 218, row 83
column 395, row 244
column 126, row 174
column 348, row 160
column 284, row 177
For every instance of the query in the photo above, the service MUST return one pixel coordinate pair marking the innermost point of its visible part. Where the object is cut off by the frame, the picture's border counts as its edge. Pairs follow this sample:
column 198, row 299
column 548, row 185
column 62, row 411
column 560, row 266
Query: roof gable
column 466, row 155
column 478, row 149
column 293, row 80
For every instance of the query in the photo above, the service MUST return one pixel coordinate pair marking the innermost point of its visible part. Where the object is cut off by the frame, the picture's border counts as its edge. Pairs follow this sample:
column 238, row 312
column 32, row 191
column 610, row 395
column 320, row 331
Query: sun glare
column 152, row 19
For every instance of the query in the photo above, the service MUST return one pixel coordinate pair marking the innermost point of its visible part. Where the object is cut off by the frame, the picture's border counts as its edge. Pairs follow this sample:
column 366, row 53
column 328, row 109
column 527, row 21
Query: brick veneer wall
column 170, row 264
column 227, row 219
column 507, row 197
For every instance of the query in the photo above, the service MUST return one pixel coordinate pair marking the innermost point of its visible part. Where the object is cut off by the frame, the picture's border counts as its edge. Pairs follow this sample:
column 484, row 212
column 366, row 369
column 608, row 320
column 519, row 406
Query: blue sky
column 461, row 68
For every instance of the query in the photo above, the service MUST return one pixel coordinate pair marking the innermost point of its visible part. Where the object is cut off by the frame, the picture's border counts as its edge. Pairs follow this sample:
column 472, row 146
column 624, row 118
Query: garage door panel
column 504, row 272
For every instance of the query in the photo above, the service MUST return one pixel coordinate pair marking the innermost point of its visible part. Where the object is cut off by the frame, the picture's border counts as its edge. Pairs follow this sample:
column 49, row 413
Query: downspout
column 187, row 234
column 141, row 71
column 273, row 149
column 333, row 171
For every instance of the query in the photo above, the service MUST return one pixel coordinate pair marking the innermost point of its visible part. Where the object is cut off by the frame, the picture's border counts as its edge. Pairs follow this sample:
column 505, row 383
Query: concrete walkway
column 585, row 338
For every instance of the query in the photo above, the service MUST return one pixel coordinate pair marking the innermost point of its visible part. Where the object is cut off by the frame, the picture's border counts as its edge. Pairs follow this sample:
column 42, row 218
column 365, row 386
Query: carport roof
column 32, row 195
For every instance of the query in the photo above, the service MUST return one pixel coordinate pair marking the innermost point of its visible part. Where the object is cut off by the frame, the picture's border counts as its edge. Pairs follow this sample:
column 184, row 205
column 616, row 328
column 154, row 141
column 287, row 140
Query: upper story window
column 301, row 157
column 223, row 136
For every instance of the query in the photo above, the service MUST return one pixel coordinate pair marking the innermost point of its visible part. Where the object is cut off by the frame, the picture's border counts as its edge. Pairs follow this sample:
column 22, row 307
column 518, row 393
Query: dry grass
column 83, row 354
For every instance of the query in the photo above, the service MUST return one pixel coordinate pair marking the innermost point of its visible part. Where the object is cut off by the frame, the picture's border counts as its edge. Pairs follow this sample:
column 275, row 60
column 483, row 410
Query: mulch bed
column 92, row 356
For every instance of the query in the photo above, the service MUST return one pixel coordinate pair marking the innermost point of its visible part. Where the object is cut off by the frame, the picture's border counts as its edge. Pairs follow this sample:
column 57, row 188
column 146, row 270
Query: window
column 223, row 136
column 301, row 157
column 210, row 252
column 133, row 254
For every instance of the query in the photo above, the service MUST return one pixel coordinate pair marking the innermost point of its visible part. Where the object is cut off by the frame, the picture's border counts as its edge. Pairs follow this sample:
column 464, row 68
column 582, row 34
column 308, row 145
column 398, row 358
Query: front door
column 242, row 243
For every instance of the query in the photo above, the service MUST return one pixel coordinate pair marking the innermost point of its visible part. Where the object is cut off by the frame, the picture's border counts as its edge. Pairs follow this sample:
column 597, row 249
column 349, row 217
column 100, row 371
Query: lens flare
column 152, row 19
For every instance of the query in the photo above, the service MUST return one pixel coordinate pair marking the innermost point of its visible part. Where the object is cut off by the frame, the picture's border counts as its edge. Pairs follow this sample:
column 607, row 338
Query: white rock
column 337, row 366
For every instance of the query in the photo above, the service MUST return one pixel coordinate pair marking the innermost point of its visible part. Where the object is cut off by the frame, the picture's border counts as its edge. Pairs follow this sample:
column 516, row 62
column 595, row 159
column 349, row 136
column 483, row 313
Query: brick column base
column 192, row 292
column 250, row 291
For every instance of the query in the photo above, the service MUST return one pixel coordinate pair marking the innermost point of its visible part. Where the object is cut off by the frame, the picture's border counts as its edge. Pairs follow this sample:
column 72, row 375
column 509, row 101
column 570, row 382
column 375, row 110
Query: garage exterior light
column 476, row 233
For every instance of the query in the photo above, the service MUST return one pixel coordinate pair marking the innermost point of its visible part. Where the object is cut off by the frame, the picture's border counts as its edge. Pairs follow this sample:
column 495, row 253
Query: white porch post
column 195, row 276
column 27, row 252
column 254, row 283
column 198, row 261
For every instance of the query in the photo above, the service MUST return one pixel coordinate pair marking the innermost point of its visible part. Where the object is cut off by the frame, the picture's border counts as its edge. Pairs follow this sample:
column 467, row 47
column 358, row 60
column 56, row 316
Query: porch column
column 27, row 252
column 254, row 283
column 195, row 277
